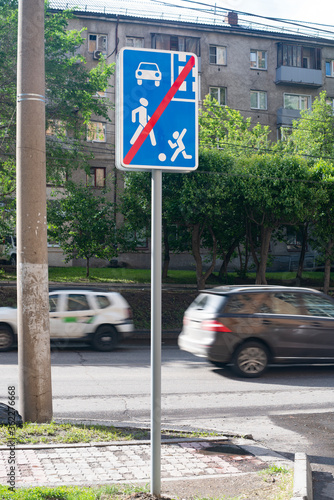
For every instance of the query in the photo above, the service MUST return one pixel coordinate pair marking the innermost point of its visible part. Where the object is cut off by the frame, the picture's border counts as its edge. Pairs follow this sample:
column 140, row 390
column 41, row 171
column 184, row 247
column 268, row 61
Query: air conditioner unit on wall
column 97, row 54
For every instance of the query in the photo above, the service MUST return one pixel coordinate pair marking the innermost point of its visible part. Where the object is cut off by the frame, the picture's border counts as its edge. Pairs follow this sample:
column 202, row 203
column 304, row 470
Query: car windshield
column 148, row 66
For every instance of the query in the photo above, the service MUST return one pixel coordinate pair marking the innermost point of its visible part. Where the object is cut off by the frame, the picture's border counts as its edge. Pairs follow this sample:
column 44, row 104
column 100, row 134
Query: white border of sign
column 119, row 154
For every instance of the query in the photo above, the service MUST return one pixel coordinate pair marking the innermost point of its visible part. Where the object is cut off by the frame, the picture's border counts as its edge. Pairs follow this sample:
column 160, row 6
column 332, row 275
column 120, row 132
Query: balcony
column 292, row 75
column 285, row 117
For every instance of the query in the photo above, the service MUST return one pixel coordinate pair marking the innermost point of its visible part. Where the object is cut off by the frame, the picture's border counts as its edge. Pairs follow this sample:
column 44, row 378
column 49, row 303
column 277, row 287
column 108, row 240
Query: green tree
column 323, row 227
column 313, row 134
column 83, row 224
column 225, row 128
column 71, row 91
column 277, row 191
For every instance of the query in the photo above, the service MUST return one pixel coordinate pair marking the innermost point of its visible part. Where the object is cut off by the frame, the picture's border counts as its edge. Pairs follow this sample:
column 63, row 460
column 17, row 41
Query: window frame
column 258, row 93
column 215, row 55
column 102, row 129
column 137, row 38
column 93, row 177
column 330, row 63
column 168, row 42
column 309, row 100
column 103, row 47
column 219, row 94
column 257, row 66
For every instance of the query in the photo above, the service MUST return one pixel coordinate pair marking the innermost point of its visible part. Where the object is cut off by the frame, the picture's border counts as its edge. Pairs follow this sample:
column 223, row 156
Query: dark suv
column 252, row 326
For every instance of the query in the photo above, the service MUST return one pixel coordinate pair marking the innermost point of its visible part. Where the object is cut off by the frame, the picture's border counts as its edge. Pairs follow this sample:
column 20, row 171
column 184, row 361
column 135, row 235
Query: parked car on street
column 101, row 318
column 8, row 250
column 251, row 327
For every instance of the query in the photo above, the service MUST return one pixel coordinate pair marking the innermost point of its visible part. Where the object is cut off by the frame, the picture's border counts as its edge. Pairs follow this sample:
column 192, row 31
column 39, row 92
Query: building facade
column 269, row 75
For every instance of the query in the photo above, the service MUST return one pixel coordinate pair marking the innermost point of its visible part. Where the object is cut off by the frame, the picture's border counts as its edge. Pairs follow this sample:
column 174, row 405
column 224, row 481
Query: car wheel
column 6, row 338
column 13, row 260
column 250, row 359
column 105, row 338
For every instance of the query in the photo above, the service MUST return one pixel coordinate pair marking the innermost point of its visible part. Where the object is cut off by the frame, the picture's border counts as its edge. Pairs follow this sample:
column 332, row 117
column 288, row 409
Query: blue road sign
column 156, row 110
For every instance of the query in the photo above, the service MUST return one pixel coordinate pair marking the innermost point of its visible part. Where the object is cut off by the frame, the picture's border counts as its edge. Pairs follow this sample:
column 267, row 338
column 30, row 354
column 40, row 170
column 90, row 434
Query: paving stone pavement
column 129, row 462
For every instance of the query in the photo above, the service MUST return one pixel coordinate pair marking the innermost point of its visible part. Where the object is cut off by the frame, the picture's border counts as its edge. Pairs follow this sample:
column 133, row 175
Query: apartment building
column 267, row 73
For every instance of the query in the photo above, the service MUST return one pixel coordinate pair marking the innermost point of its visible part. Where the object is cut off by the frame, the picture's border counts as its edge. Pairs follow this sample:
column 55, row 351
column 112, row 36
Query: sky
column 315, row 11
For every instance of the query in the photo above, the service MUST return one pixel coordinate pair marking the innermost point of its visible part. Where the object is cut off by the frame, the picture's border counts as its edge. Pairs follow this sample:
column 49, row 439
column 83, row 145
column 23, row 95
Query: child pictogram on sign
column 140, row 114
column 180, row 147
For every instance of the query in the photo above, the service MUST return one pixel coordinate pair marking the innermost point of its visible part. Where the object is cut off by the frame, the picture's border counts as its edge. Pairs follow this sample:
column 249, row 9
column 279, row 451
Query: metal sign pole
column 156, row 332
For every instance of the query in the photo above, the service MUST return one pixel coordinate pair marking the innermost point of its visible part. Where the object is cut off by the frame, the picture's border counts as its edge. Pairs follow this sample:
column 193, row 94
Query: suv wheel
column 13, row 260
column 105, row 338
column 250, row 359
column 6, row 338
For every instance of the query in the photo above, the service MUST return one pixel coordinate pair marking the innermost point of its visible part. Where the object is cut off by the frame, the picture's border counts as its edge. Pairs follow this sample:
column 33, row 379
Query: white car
column 148, row 71
column 101, row 318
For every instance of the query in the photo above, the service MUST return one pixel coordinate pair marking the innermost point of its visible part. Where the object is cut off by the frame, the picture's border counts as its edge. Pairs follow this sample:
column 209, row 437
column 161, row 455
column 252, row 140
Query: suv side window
column 287, row 303
column 102, row 301
column 77, row 302
column 53, row 300
column 316, row 305
column 249, row 303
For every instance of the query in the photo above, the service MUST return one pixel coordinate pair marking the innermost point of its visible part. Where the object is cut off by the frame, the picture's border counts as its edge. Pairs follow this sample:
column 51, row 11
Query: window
column 218, row 93
column 217, row 55
column 134, row 41
column 56, row 128
column 258, row 59
column 97, row 177
column 298, row 56
column 285, row 133
column 330, row 68
column 53, row 300
column 179, row 43
column 77, row 302
column 318, row 306
column 294, row 239
column 96, row 132
column 97, row 42
column 330, row 101
column 102, row 301
column 297, row 101
column 258, row 99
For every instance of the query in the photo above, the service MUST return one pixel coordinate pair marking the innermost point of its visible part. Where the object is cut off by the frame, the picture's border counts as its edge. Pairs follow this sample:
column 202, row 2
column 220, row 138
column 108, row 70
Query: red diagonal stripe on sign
column 158, row 112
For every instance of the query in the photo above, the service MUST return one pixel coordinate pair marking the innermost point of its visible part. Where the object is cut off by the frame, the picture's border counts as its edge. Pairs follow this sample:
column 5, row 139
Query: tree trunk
column 87, row 267
column 249, row 237
column 327, row 274
column 227, row 258
column 166, row 250
column 302, row 253
column 196, row 246
column 265, row 242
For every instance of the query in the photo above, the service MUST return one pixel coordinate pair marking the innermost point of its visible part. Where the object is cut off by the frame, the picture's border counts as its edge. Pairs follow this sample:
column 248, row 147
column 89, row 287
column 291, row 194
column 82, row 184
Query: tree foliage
column 82, row 223
column 225, row 128
column 71, row 91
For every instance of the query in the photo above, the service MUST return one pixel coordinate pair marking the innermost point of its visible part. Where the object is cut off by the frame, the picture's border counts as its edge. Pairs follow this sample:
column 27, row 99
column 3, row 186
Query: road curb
column 302, row 481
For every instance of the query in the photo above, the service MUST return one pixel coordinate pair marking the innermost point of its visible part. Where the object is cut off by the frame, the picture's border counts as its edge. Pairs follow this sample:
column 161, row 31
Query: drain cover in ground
column 223, row 449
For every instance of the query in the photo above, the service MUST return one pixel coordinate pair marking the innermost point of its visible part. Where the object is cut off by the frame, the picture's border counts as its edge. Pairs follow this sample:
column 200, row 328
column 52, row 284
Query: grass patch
column 111, row 492
column 53, row 433
column 31, row 433
column 283, row 482
column 131, row 276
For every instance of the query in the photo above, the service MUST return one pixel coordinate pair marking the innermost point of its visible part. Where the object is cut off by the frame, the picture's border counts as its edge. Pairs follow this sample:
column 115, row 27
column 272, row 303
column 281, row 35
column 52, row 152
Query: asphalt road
column 289, row 409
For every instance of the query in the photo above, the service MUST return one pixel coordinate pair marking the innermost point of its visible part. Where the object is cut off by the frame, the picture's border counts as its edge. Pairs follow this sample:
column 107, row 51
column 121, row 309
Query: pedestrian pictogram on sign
column 156, row 110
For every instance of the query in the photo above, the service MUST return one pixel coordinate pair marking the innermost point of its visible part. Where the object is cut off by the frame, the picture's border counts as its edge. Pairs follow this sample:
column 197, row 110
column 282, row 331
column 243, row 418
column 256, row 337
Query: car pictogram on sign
column 148, row 71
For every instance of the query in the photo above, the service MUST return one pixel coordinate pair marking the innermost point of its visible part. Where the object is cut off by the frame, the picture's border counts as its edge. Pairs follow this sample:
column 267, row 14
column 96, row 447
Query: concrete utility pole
column 35, row 393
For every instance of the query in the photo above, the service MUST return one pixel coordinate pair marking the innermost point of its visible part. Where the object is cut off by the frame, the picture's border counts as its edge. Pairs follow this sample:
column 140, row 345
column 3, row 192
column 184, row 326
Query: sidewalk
column 206, row 467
